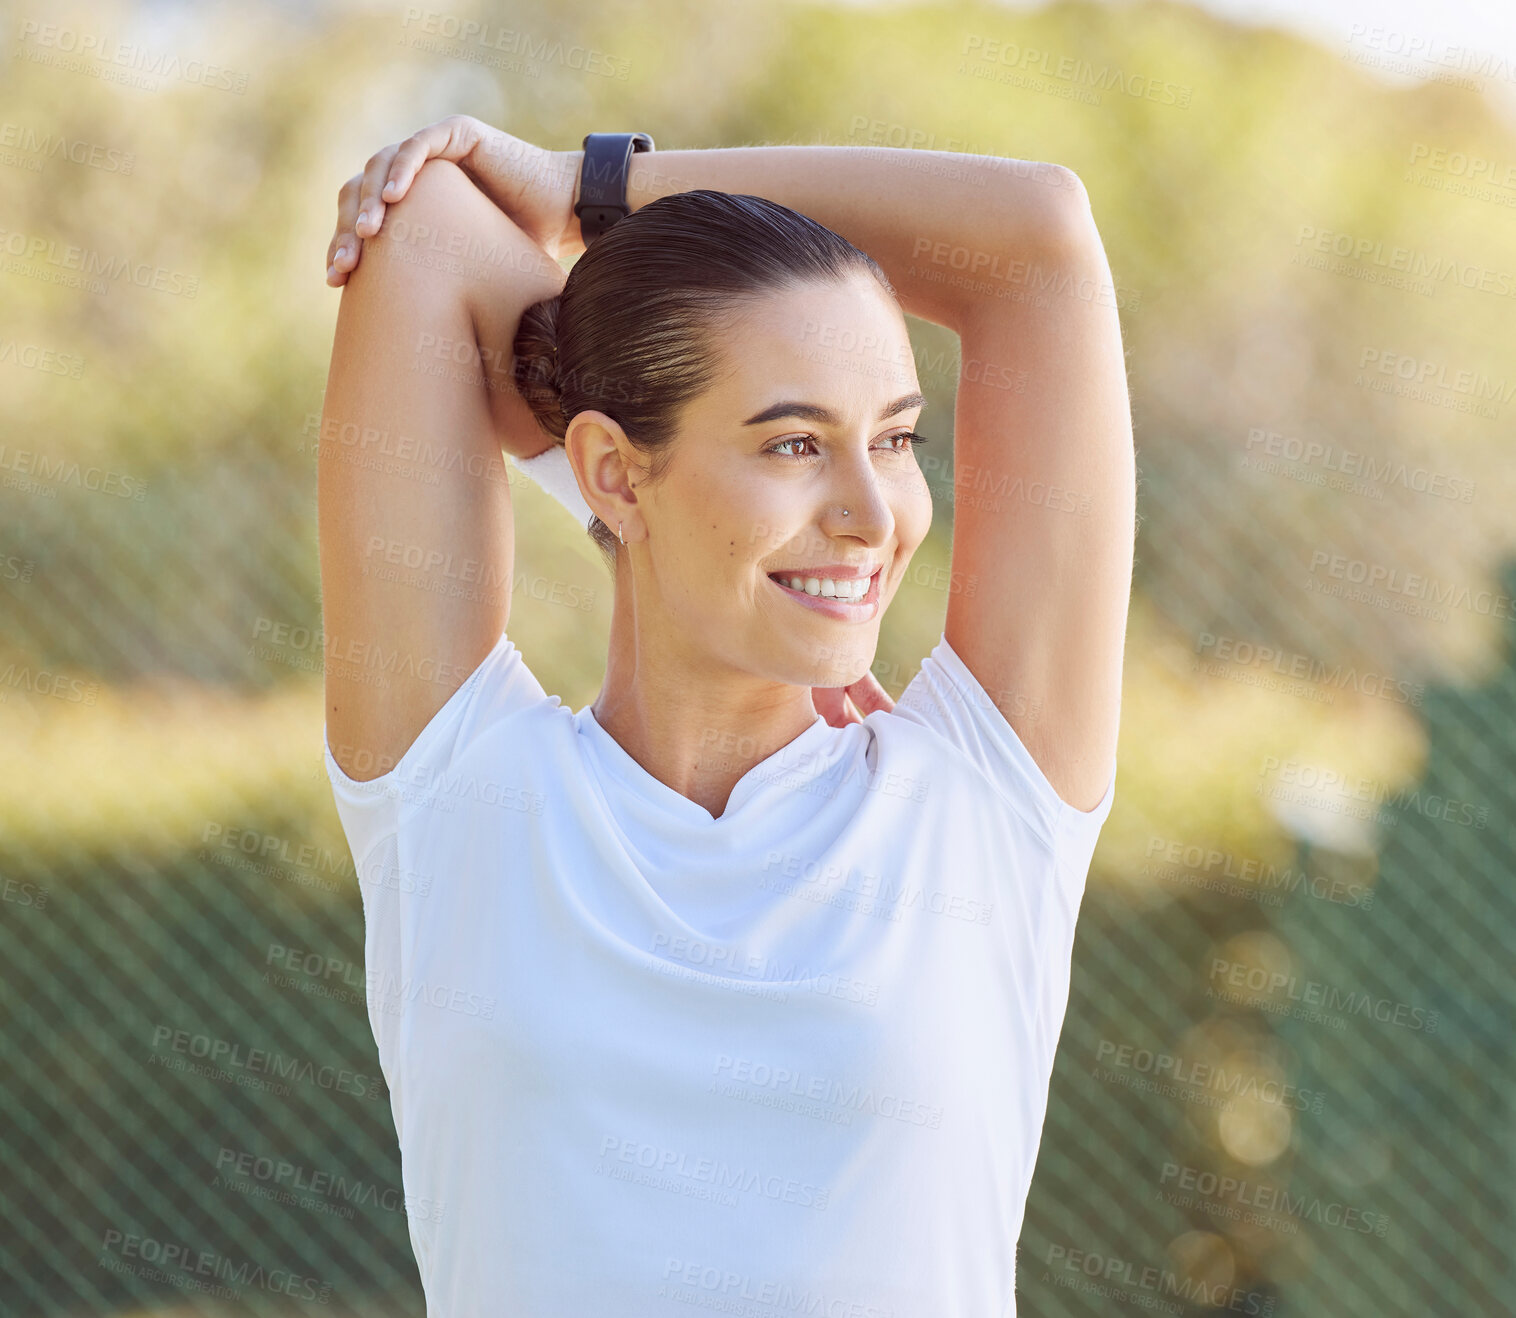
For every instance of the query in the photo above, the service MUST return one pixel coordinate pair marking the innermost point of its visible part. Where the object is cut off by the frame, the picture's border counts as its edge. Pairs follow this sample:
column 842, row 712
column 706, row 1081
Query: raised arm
column 1005, row 253
column 936, row 221
column 1045, row 496
column 413, row 504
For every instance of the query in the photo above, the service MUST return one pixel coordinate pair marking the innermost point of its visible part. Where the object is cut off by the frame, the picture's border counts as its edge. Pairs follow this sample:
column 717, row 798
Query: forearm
column 938, row 222
column 475, row 265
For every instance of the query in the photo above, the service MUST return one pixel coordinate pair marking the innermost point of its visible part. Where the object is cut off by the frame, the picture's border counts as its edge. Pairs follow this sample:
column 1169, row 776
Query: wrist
column 568, row 166
column 604, row 195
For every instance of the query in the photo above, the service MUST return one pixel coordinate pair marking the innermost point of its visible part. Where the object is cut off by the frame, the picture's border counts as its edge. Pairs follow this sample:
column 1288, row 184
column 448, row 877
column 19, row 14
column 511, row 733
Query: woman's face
column 808, row 418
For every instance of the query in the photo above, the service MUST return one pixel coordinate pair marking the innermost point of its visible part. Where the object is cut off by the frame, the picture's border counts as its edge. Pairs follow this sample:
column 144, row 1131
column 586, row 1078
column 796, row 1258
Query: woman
column 739, row 987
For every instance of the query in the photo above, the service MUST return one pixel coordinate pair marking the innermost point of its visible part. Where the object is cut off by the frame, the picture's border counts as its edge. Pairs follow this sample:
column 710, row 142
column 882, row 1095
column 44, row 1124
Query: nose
column 857, row 506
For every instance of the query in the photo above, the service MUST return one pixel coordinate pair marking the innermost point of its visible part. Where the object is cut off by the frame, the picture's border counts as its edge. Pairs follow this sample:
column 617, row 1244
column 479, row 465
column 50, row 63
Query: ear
column 601, row 456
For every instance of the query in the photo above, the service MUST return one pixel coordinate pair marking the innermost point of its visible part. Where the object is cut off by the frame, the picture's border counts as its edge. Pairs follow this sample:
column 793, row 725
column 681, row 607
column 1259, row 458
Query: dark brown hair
column 633, row 332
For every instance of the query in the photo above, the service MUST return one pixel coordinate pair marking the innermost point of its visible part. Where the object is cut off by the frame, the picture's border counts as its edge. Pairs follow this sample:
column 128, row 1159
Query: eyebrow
column 824, row 415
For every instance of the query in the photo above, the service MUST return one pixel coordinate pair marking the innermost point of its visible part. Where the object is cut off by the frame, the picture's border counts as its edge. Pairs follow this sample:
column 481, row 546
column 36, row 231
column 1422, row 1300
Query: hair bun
column 536, row 350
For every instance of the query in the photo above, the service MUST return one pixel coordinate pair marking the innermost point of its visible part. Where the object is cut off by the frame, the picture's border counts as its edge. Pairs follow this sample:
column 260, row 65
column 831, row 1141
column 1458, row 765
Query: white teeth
column 849, row 591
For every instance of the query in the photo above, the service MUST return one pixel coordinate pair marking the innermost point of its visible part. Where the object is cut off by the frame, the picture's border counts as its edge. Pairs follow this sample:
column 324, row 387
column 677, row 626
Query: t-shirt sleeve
column 946, row 697
column 370, row 811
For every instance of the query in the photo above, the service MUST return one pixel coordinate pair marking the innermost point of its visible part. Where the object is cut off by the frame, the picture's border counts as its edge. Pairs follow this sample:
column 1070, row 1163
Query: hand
column 840, row 705
column 533, row 186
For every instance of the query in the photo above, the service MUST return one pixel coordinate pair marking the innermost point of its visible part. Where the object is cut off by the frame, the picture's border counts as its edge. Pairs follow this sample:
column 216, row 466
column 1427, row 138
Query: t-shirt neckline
column 618, row 761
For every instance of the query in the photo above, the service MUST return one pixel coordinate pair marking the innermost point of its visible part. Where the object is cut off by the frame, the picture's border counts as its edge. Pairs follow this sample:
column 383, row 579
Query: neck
column 693, row 723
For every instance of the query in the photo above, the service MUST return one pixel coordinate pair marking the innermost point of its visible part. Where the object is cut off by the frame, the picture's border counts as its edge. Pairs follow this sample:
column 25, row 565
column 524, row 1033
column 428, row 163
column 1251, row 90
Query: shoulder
column 492, row 708
column 946, row 727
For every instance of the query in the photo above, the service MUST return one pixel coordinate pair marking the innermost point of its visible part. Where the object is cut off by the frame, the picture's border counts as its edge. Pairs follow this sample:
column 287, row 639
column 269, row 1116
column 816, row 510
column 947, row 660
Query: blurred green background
column 1285, row 1082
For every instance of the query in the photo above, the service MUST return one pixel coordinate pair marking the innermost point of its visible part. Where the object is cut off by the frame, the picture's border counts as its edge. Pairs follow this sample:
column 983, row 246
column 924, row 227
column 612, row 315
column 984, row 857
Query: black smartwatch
column 600, row 199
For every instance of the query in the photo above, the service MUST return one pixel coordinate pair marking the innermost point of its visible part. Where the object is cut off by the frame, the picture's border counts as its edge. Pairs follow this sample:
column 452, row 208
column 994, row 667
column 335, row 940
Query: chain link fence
column 1284, row 1083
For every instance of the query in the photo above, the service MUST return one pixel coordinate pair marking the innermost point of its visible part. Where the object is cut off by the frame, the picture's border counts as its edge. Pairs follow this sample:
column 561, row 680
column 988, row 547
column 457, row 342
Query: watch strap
column 601, row 198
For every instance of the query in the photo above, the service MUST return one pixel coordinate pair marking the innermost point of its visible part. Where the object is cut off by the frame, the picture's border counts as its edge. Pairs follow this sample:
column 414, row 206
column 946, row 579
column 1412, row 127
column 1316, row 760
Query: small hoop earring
column 619, row 525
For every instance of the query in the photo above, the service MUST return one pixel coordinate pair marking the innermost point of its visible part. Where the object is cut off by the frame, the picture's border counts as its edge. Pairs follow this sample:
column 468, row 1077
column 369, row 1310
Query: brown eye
column 793, row 439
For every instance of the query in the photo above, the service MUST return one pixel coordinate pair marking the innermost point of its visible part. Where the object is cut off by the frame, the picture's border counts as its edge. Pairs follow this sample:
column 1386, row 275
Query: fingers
column 370, row 207
column 831, row 704
column 342, row 251
column 841, row 705
column 452, row 138
column 412, row 153
column 359, row 215
column 364, row 198
column 869, row 696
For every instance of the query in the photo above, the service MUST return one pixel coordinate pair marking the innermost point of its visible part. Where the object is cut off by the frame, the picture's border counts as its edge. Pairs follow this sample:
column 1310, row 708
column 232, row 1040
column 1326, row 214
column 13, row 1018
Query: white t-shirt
column 792, row 1060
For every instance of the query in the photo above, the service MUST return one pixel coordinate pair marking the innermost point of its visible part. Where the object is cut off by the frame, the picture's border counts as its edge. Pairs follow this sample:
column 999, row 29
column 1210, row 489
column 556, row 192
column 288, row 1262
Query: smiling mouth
column 847, row 607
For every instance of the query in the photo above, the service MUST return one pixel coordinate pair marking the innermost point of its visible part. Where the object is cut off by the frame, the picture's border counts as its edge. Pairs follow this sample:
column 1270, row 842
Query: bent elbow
column 1073, row 219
